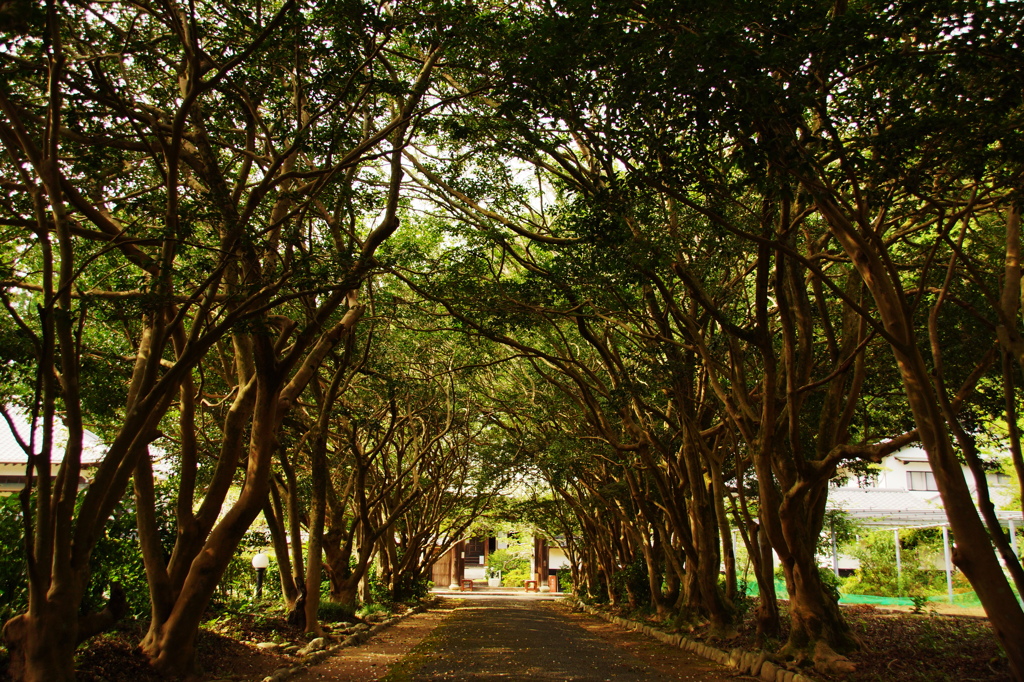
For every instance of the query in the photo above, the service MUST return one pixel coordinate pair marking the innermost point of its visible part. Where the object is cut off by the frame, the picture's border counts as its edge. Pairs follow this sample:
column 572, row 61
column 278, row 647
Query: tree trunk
column 719, row 495
column 314, row 564
column 170, row 644
column 42, row 646
column 769, row 623
column 289, row 590
column 346, row 592
column 973, row 553
column 817, row 630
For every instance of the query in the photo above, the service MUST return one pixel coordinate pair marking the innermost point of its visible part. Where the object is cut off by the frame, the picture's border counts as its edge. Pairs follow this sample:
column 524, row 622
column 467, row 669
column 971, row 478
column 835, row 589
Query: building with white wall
column 14, row 460
column 902, row 493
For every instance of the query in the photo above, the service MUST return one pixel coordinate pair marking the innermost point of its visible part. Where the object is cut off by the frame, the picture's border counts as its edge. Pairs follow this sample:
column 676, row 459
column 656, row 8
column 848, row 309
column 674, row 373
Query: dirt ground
column 372, row 660
column 491, row 639
column 485, row 639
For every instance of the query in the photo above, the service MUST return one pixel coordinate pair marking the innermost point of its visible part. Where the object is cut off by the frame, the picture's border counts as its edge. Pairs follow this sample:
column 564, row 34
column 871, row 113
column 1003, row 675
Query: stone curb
column 303, row 663
column 746, row 662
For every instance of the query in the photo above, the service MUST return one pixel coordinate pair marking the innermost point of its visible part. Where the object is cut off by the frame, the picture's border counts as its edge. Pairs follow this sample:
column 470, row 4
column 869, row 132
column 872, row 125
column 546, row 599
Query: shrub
column 13, row 585
column 632, row 578
column 333, row 612
column 117, row 557
column 516, row 578
column 507, row 562
column 877, row 574
column 830, row 582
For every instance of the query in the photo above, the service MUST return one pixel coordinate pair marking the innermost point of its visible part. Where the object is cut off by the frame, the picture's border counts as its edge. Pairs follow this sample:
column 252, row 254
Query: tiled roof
column 870, row 499
column 11, row 452
column 895, row 508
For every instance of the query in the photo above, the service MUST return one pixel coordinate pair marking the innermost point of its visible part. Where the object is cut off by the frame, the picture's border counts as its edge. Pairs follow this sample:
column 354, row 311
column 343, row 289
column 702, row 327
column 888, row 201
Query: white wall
column 894, row 473
column 557, row 559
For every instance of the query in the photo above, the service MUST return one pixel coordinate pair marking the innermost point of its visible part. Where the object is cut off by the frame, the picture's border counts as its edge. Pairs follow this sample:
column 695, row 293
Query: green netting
column 872, row 599
column 964, row 599
column 780, row 588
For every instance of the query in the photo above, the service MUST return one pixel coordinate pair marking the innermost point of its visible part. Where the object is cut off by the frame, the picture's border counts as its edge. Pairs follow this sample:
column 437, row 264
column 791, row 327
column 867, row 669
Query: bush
column 830, row 582
column 877, row 574
column 380, row 592
column 516, row 578
column 333, row 612
column 411, row 588
column 238, row 584
column 597, row 595
column 117, row 557
column 13, row 581
column 633, row 578
column 507, row 562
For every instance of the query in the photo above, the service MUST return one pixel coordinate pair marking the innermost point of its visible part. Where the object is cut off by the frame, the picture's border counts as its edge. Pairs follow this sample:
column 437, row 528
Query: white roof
column 911, row 455
column 896, row 508
column 11, row 452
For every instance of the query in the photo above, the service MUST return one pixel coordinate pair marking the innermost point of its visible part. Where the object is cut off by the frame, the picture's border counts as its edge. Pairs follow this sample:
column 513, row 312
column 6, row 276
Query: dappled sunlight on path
column 485, row 637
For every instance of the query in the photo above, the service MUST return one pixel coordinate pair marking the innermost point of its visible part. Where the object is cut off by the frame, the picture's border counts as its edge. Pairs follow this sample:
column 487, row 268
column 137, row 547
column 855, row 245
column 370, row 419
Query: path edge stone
column 303, row 663
column 751, row 663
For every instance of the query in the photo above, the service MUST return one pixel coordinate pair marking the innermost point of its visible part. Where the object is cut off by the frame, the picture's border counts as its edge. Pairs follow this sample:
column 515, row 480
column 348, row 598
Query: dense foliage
column 358, row 268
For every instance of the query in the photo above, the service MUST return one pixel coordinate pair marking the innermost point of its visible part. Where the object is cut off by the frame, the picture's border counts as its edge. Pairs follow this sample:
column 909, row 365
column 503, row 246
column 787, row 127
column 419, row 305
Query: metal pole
column 949, row 563
column 1013, row 538
column 259, row 582
column 899, row 563
column 835, row 549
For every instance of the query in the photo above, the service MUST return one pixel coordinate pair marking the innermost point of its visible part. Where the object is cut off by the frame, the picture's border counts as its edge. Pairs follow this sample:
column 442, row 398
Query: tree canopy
column 366, row 265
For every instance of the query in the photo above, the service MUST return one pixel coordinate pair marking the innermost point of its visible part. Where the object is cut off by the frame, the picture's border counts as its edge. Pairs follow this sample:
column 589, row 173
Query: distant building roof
column 14, row 460
column 93, row 449
column 895, row 508
column 912, row 455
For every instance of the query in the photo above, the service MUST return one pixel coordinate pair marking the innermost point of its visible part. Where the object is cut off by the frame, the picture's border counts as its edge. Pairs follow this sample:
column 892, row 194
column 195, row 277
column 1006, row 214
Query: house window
column 921, row 480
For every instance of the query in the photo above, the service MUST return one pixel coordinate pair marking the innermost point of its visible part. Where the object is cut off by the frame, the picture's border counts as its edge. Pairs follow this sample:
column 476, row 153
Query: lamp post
column 260, row 563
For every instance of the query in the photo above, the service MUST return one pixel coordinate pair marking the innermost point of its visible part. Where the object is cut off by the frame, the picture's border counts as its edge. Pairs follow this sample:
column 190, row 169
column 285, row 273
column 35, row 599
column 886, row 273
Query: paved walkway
column 492, row 638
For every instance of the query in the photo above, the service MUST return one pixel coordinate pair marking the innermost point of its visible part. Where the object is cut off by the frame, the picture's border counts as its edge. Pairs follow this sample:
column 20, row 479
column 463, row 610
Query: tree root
column 822, row 657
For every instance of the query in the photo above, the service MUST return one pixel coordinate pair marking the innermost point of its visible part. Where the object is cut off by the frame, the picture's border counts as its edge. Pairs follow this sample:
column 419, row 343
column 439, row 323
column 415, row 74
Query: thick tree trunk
column 346, row 592
column 170, row 645
column 42, row 643
column 817, row 630
column 769, row 622
column 973, row 553
column 42, row 646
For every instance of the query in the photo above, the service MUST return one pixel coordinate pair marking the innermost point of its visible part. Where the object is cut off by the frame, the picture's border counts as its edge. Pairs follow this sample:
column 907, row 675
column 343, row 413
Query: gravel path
column 514, row 639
